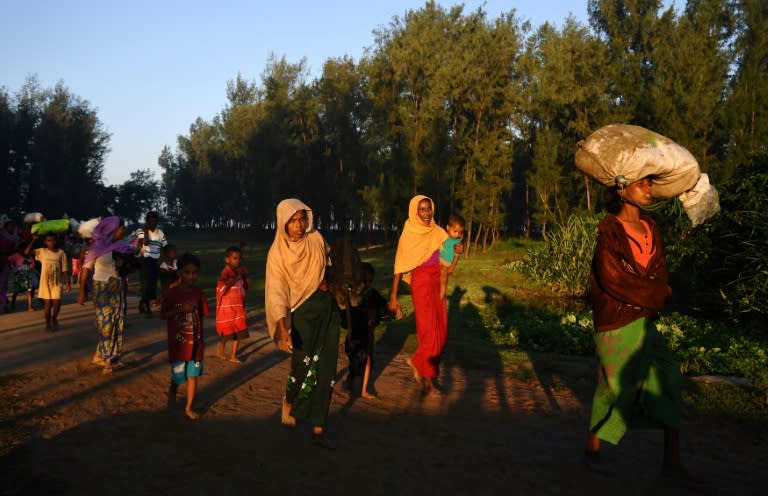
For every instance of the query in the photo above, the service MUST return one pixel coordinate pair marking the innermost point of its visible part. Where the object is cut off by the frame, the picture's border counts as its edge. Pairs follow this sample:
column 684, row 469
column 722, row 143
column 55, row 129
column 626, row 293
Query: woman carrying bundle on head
column 639, row 381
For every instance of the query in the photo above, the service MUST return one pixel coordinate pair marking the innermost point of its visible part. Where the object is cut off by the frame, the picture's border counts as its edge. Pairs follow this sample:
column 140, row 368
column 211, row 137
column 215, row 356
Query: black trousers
column 150, row 270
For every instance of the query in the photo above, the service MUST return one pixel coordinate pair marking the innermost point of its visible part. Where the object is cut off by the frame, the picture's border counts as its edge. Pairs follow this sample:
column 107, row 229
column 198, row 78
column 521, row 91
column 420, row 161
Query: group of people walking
column 639, row 381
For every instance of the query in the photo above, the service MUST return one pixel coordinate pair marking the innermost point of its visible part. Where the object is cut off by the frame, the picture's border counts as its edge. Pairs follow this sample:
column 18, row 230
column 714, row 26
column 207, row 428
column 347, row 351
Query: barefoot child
column 449, row 252
column 53, row 276
column 184, row 307
column 230, row 304
column 359, row 342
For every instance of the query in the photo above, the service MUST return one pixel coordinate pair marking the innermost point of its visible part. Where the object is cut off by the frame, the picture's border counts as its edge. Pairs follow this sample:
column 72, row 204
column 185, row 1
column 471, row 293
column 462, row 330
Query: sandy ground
column 491, row 433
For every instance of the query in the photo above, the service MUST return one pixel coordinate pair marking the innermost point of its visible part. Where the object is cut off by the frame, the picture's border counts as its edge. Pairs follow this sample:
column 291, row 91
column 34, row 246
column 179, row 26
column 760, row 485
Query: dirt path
column 490, row 434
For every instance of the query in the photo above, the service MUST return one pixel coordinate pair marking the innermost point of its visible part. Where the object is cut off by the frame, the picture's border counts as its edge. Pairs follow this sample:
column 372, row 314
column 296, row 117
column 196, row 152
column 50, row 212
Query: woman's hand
column 284, row 337
column 395, row 308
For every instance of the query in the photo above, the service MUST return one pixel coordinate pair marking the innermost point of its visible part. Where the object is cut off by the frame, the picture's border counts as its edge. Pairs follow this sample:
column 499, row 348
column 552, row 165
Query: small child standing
column 53, row 276
column 231, row 290
column 362, row 321
column 184, row 307
column 169, row 275
column 449, row 252
column 22, row 280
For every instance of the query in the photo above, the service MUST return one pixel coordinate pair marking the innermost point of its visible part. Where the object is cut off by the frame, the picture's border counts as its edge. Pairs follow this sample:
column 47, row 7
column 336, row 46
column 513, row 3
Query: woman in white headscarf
column 302, row 316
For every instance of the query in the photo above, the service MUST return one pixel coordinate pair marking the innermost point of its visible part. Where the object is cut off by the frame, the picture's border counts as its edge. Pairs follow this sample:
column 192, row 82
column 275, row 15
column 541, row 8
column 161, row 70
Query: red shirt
column 185, row 330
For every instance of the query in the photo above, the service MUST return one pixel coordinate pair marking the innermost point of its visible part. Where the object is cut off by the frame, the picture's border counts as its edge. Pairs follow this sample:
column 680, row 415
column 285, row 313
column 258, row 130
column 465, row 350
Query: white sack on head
column 620, row 154
column 33, row 217
column 86, row 228
column 701, row 202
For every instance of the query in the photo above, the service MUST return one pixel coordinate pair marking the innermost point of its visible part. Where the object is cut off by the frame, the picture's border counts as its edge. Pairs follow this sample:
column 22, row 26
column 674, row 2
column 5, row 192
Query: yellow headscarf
column 294, row 268
column 418, row 241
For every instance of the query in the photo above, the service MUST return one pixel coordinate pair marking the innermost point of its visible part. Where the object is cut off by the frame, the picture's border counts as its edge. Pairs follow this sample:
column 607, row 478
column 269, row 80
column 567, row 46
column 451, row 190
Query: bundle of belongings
column 620, row 154
column 56, row 226
column 85, row 229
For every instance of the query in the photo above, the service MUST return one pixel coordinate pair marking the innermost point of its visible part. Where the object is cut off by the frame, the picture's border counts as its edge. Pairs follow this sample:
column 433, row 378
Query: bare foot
column 286, row 418
column 430, row 389
column 416, row 375
column 220, row 351
column 236, row 360
column 191, row 414
column 368, row 396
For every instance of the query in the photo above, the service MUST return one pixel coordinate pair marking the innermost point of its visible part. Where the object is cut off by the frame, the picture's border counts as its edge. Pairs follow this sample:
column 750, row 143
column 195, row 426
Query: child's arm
column 171, row 311
column 457, row 250
column 28, row 249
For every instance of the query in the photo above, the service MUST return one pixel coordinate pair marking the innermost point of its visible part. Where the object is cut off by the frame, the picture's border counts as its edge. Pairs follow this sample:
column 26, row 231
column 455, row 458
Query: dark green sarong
column 315, row 339
column 639, row 382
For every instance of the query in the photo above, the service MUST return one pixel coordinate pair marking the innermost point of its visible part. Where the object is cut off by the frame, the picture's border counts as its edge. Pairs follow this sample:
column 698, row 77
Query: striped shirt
column 153, row 243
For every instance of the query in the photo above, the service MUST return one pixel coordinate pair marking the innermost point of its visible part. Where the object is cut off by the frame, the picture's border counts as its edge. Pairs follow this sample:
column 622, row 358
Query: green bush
column 563, row 262
column 702, row 346
column 722, row 263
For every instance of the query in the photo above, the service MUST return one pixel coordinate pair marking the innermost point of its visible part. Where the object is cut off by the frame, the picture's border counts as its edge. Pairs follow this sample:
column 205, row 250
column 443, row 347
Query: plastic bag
column 56, row 226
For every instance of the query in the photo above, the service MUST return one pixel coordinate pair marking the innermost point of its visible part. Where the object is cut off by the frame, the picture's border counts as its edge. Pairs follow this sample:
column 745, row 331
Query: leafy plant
column 563, row 262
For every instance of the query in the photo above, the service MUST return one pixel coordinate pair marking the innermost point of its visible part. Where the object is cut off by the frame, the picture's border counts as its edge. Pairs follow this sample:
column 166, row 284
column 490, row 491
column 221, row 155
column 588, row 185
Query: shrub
column 563, row 262
column 722, row 263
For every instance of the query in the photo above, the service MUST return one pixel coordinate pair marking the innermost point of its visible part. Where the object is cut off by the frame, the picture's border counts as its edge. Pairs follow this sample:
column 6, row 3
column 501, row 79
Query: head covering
column 418, row 241
column 4, row 219
column 102, row 239
column 294, row 268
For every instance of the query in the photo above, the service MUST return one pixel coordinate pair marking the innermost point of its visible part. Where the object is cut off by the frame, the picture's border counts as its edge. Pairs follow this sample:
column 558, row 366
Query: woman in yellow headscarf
column 302, row 316
column 417, row 262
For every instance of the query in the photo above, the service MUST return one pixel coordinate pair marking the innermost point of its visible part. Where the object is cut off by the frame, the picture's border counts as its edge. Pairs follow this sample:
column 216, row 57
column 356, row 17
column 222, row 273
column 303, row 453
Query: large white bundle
column 619, row 154
column 85, row 230
column 33, row 217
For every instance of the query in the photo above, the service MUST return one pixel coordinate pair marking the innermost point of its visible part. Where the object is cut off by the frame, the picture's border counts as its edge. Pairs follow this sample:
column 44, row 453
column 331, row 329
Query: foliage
column 702, row 346
column 52, row 152
column 722, row 263
column 563, row 262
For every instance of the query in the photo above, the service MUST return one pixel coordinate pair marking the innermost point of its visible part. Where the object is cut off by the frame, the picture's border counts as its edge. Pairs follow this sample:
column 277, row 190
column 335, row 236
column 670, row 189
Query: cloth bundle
column 33, row 217
column 619, row 154
column 85, row 229
column 56, row 226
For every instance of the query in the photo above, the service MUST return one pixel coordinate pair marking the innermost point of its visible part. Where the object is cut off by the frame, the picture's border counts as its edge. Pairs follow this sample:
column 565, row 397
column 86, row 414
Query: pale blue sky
column 151, row 67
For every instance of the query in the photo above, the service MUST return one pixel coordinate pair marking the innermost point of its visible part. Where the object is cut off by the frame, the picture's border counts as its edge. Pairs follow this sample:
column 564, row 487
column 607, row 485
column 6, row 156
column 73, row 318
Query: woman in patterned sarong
column 302, row 316
column 107, row 290
column 417, row 262
column 639, row 381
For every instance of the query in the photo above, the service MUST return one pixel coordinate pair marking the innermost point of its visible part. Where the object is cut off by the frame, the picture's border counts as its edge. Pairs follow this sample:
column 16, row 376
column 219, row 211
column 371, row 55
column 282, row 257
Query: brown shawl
column 622, row 290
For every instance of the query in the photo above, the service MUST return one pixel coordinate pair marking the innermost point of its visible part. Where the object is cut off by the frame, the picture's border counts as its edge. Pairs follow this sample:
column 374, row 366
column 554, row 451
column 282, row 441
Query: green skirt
column 639, row 382
column 315, row 338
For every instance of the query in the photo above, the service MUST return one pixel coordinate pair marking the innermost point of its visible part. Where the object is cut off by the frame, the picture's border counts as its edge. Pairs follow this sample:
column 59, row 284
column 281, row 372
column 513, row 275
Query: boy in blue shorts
column 184, row 307
column 449, row 252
